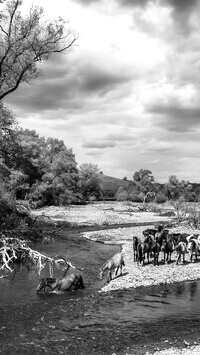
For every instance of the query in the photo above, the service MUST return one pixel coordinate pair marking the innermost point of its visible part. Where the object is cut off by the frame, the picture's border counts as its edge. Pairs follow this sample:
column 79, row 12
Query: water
column 88, row 322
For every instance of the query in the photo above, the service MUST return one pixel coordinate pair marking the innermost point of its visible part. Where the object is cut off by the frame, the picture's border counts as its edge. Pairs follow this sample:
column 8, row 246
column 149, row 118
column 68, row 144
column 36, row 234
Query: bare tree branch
column 25, row 41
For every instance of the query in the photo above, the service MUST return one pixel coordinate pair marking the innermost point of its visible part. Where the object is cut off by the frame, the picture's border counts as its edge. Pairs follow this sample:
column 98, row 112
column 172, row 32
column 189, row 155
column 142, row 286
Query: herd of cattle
column 158, row 240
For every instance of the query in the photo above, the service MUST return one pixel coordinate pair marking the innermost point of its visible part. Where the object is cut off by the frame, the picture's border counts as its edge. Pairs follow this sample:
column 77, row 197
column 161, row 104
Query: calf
column 181, row 250
column 113, row 264
column 193, row 248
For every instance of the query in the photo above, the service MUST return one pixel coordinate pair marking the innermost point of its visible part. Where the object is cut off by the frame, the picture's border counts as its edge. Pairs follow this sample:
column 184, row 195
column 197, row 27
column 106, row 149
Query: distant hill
column 110, row 185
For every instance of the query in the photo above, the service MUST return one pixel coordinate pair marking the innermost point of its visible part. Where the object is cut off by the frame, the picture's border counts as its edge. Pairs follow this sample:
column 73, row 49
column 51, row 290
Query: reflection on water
column 86, row 322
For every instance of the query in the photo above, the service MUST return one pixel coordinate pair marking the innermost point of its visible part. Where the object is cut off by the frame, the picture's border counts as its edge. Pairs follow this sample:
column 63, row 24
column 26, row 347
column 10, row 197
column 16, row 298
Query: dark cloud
column 100, row 79
column 99, row 145
column 129, row 3
column 69, row 85
column 87, row 2
column 181, row 14
column 182, row 6
column 175, row 117
column 133, row 3
column 182, row 11
column 120, row 137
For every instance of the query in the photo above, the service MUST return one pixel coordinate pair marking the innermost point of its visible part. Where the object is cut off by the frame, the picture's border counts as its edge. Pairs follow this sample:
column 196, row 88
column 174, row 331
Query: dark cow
column 145, row 248
column 179, row 237
column 162, row 236
column 135, row 245
column 156, row 251
column 167, row 248
column 149, row 231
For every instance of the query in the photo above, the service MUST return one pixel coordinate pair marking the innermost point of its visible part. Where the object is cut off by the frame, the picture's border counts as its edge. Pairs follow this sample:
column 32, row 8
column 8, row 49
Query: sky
column 126, row 96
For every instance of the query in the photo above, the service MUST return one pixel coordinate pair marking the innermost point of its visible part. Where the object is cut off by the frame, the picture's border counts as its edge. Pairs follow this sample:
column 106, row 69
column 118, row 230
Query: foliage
column 8, row 137
column 160, row 198
column 25, row 42
column 193, row 217
column 121, row 194
column 58, row 185
column 135, row 197
column 89, row 182
column 145, row 183
column 176, row 191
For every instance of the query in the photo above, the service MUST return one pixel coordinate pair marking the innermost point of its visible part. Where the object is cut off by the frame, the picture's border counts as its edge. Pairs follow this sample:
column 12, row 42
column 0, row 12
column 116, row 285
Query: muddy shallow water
column 88, row 322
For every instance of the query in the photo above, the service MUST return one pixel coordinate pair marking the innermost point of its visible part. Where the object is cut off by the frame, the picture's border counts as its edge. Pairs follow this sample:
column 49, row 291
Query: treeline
column 143, row 188
column 42, row 171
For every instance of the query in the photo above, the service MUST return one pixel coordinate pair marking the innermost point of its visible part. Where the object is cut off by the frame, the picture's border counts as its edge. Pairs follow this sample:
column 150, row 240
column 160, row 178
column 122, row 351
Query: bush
column 7, row 203
column 161, row 198
column 136, row 197
column 121, row 194
column 154, row 207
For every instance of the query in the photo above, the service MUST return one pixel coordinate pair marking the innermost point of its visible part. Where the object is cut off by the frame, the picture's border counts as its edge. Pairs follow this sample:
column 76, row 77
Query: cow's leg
column 116, row 271
column 178, row 258
column 109, row 275
column 157, row 259
column 143, row 259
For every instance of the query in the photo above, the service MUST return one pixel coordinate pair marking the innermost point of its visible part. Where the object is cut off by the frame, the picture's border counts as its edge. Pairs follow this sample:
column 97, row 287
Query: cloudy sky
column 127, row 96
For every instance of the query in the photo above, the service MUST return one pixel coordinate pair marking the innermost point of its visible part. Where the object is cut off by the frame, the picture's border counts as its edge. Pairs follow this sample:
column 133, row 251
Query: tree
column 59, row 184
column 25, row 42
column 144, row 181
column 89, row 181
column 121, row 194
column 8, row 136
column 176, row 191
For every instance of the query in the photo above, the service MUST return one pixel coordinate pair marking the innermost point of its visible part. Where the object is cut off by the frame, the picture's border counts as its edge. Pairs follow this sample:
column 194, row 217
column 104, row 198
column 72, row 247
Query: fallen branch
column 15, row 249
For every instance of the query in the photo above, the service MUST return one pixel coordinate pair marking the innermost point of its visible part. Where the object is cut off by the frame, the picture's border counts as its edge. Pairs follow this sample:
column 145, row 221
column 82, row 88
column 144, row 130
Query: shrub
column 161, row 198
column 136, row 197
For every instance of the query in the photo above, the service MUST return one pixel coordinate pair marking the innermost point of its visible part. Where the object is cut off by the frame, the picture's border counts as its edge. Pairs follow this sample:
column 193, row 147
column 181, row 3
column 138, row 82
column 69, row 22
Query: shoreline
column 148, row 275
column 145, row 276
column 97, row 227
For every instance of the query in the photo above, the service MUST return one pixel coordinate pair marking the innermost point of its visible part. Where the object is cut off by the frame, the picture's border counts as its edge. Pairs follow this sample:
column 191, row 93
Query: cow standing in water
column 62, row 283
column 113, row 265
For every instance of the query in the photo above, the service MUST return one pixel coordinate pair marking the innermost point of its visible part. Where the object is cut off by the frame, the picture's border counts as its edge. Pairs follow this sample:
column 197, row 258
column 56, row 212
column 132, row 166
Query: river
column 88, row 322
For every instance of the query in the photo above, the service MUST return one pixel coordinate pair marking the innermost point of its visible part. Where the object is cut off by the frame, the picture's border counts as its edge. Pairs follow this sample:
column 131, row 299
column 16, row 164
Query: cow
column 167, row 248
column 135, row 244
column 113, row 265
column 193, row 248
column 181, row 249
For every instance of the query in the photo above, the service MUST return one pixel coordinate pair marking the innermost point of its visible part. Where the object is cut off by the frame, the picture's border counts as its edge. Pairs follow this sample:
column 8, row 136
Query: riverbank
column 193, row 350
column 148, row 275
column 105, row 215
column 100, row 217
column 100, row 214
